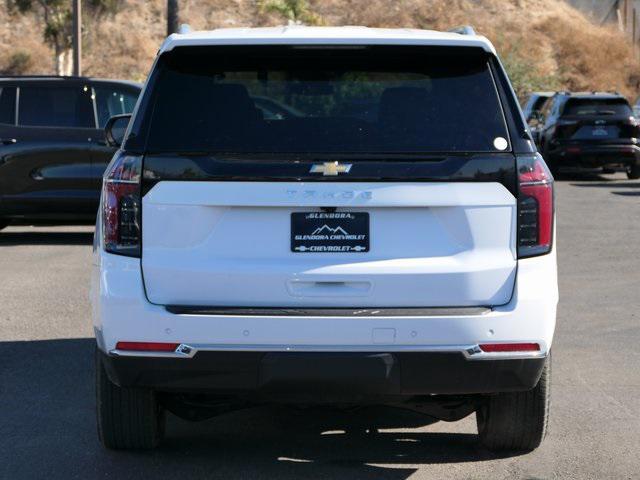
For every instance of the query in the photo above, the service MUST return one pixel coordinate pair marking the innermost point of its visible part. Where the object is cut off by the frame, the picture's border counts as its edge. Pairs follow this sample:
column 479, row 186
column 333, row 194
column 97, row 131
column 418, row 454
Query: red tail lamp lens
column 121, row 206
column 535, row 206
column 509, row 347
column 147, row 346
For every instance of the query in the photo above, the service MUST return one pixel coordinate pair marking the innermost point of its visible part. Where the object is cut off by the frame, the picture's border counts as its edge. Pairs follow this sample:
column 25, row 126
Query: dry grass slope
column 545, row 44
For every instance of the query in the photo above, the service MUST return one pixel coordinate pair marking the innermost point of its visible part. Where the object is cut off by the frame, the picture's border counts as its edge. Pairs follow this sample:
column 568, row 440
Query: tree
column 296, row 12
column 57, row 16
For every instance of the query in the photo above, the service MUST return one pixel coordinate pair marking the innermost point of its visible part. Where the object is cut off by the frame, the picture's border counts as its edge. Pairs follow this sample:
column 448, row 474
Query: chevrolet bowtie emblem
column 331, row 168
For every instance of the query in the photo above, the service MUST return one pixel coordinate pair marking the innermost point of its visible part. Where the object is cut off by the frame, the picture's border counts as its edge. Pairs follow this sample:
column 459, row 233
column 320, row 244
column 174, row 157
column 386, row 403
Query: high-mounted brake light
column 121, row 206
column 535, row 206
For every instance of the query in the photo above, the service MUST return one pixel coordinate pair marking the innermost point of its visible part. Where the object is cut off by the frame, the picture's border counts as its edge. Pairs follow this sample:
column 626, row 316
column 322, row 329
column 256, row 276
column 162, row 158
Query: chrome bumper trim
column 471, row 352
column 328, row 312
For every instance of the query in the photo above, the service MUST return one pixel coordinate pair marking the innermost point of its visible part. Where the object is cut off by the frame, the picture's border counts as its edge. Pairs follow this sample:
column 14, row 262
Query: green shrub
column 295, row 11
column 524, row 76
column 18, row 63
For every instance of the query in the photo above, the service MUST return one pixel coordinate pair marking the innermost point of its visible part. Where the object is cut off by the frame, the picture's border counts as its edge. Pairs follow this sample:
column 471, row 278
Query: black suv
column 52, row 145
column 590, row 130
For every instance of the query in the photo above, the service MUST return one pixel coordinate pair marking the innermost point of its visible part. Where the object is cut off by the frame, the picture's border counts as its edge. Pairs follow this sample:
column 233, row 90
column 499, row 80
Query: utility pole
column 77, row 38
column 173, row 12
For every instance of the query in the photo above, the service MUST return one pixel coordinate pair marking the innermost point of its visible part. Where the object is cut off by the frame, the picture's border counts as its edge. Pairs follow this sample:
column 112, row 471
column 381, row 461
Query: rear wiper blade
column 606, row 112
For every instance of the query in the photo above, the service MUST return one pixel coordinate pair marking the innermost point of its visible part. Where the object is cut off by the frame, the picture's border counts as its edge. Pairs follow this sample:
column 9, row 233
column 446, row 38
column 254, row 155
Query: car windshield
column 326, row 99
column 590, row 106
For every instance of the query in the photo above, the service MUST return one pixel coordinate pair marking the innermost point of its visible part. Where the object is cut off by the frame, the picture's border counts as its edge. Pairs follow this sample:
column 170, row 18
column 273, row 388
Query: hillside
column 545, row 44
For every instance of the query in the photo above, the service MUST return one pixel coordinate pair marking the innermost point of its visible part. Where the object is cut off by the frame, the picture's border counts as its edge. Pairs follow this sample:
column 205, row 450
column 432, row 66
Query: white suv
column 377, row 231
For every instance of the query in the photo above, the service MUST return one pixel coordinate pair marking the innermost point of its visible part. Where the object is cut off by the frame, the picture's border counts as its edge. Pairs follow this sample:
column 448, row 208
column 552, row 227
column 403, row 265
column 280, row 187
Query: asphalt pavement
column 47, row 422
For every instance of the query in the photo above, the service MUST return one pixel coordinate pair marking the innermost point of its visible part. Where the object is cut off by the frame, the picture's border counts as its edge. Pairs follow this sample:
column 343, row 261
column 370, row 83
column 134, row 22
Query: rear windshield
column 591, row 106
column 311, row 99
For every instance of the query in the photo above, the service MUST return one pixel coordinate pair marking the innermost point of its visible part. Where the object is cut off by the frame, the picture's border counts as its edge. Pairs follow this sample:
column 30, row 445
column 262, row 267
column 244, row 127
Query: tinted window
column 591, row 106
column 539, row 104
column 8, row 105
column 375, row 99
column 536, row 112
column 64, row 106
column 546, row 108
column 113, row 100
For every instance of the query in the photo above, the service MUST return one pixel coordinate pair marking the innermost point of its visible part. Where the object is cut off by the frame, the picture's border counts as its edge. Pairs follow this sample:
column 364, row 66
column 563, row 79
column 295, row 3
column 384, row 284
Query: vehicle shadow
column 619, row 185
column 43, row 237
column 626, row 188
column 49, row 430
column 582, row 176
column 627, row 194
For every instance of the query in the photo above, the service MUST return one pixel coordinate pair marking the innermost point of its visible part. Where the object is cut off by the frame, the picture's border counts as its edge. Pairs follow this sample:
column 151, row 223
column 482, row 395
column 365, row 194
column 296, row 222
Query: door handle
column 8, row 141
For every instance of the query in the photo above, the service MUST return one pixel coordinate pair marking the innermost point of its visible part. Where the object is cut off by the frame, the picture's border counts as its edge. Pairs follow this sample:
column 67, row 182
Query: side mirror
column 115, row 129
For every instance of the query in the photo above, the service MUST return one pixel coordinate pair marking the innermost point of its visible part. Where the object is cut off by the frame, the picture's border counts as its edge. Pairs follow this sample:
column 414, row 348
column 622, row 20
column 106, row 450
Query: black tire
column 516, row 421
column 128, row 418
column 633, row 172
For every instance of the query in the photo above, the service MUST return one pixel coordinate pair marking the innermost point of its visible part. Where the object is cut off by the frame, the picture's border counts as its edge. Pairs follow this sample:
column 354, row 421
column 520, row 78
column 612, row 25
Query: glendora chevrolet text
column 390, row 241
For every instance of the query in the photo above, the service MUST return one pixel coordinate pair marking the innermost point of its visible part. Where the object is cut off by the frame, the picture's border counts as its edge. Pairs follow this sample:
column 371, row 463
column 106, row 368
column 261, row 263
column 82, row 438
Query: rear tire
column 633, row 172
column 516, row 421
column 128, row 418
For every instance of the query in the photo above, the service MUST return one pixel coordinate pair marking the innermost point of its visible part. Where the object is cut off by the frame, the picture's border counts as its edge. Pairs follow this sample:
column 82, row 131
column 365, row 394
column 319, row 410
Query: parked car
column 532, row 111
column 534, row 104
column 323, row 258
column 590, row 130
column 53, row 151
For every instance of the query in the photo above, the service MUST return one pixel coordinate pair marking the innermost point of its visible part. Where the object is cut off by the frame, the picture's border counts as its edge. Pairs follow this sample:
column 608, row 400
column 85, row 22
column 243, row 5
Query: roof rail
column 184, row 28
column 463, row 30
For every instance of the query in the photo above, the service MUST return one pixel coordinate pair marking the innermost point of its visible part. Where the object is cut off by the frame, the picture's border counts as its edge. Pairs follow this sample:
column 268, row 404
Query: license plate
column 319, row 232
column 600, row 132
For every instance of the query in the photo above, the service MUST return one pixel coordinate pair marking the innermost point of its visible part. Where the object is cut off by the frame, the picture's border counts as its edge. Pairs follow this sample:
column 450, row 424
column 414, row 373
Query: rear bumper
column 594, row 155
column 425, row 352
column 318, row 377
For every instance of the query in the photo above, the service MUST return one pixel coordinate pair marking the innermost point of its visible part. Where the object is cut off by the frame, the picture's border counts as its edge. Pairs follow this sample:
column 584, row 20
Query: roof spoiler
column 463, row 30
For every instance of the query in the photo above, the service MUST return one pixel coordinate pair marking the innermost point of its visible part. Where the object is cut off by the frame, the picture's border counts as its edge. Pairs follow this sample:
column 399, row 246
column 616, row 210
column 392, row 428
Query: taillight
column 535, row 206
column 509, row 347
column 121, row 206
column 147, row 346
